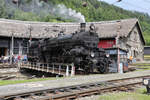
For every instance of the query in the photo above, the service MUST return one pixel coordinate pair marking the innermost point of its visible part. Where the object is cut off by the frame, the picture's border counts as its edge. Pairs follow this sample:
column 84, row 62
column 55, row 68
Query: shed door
column 106, row 43
column 3, row 52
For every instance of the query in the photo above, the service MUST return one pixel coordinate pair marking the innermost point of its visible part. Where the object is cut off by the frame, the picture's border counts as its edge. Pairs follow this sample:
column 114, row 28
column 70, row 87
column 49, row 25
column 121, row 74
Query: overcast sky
column 135, row 5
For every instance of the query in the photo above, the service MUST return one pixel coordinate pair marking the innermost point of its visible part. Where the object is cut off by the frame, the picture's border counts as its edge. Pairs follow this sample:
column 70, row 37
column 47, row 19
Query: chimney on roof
column 82, row 27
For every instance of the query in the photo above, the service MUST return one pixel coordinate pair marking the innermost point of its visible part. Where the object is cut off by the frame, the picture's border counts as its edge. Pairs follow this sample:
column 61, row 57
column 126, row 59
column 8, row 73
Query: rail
column 77, row 91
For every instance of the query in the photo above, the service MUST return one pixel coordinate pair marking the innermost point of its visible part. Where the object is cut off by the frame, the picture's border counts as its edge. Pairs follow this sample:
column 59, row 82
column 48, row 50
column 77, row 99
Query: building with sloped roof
column 125, row 34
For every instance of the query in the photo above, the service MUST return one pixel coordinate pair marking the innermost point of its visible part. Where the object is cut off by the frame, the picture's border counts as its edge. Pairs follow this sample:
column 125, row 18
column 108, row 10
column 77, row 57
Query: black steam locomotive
column 79, row 48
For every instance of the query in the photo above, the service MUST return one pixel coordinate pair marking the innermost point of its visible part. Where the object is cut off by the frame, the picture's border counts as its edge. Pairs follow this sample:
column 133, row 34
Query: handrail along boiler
column 79, row 48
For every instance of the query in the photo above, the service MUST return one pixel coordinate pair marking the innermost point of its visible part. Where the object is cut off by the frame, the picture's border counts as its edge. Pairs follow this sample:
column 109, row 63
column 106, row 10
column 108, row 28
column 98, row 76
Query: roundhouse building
column 124, row 34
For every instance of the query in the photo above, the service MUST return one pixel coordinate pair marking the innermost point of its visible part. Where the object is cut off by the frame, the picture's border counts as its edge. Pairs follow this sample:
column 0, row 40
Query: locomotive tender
column 79, row 48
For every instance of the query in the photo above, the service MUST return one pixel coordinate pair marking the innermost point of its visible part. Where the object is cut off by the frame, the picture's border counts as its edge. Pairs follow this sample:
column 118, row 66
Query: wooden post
column 19, row 65
column 20, row 53
column 67, row 71
column 30, row 37
column 47, row 67
column 59, row 69
column 118, row 60
column 43, row 68
column 12, row 48
column 118, row 46
column 72, row 70
column 38, row 66
column 53, row 69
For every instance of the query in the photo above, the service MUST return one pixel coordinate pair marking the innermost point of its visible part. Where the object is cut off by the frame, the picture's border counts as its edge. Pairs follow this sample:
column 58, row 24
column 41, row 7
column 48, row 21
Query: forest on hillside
column 70, row 11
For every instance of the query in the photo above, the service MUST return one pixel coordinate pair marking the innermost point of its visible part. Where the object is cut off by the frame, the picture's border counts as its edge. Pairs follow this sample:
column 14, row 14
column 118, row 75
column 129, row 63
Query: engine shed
column 123, row 35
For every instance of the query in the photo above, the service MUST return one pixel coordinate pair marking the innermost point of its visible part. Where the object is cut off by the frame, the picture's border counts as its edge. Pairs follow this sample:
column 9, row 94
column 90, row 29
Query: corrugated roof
column 105, row 29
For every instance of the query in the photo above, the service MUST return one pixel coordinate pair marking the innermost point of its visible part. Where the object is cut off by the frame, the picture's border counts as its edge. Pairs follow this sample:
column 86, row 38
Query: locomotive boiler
column 79, row 48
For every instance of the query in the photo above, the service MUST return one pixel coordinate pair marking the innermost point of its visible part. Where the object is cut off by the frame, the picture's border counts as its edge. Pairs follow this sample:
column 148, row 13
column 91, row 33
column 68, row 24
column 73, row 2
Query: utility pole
column 118, row 46
column 30, row 28
column 12, row 47
column 20, row 48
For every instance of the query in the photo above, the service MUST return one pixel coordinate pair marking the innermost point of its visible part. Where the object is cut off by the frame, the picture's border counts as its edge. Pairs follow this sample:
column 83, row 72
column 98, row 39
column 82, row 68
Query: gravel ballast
column 68, row 81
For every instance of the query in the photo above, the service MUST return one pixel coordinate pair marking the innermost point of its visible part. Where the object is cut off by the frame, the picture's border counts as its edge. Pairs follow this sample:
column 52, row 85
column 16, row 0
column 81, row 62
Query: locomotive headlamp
column 92, row 54
column 145, row 81
column 107, row 55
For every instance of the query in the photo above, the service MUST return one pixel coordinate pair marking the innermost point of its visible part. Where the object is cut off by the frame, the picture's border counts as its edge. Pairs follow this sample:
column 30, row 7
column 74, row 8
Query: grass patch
column 137, row 95
column 141, row 90
column 143, row 68
column 147, row 56
column 7, row 82
column 141, row 64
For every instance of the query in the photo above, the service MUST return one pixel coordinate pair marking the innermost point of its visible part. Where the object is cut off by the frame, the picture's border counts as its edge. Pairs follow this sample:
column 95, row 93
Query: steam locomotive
column 79, row 48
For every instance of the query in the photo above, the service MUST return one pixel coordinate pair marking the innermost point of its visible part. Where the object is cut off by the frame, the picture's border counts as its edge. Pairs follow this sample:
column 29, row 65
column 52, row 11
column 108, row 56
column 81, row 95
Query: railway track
column 77, row 91
column 7, row 66
column 7, row 77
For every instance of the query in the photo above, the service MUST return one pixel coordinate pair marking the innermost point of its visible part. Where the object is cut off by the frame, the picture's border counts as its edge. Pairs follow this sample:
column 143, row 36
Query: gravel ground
column 60, row 82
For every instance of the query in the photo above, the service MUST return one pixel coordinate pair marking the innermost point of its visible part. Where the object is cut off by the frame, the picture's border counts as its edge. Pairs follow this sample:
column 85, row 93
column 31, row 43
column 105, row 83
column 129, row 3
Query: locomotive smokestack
column 82, row 27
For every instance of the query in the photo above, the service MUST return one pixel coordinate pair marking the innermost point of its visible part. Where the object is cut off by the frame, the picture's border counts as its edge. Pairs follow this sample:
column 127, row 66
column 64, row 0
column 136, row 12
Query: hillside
column 69, row 11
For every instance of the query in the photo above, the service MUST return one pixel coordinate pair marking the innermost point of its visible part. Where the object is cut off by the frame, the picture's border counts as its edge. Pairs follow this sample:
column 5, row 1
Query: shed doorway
column 3, row 52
